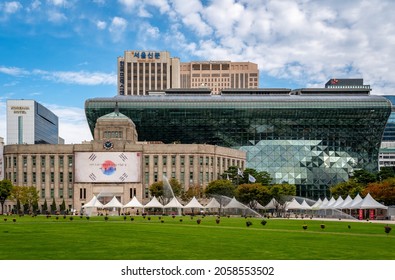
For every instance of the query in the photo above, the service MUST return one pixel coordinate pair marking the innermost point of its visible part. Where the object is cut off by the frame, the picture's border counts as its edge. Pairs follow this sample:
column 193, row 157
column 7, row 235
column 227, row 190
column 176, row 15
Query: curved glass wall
column 310, row 141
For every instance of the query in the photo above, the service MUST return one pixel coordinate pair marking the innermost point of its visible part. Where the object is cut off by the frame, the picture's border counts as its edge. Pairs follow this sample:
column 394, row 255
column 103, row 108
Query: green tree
column 31, row 198
column 364, row 177
column 5, row 192
column 53, row 205
column 232, row 173
column 252, row 193
column 386, row 173
column 350, row 187
column 45, row 206
column 164, row 194
column 220, row 187
column 62, row 206
column 281, row 191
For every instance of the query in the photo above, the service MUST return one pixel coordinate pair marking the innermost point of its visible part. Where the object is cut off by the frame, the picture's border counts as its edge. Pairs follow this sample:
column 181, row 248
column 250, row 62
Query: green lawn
column 42, row 238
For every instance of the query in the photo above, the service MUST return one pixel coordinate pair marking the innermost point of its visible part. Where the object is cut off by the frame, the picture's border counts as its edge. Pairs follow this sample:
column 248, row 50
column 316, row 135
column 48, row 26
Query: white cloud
column 63, row 3
column 11, row 7
column 56, row 17
column 117, row 28
column 80, row 78
column 13, row 71
column 73, row 126
column 101, row 24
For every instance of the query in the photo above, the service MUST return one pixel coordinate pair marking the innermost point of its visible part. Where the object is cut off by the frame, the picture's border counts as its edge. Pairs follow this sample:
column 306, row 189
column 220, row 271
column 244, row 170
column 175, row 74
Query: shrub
column 71, row 218
column 180, row 220
column 248, row 223
column 132, row 219
column 124, row 218
column 263, row 222
column 14, row 220
column 162, row 221
column 149, row 218
column 322, row 226
column 387, row 229
column 304, row 227
column 198, row 221
column 5, row 219
column 106, row 218
column 217, row 221
column 349, row 227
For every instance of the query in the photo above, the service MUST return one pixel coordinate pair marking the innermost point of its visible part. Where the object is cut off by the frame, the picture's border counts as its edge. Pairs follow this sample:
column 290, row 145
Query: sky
column 62, row 52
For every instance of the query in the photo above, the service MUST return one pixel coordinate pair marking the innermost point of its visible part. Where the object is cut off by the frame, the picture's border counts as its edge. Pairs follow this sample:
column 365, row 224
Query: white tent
column 235, row 204
column 346, row 202
column 257, row 205
column 305, row 205
column 174, row 203
column 134, row 203
column 194, row 203
column 113, row 203
column 338, row 202
column 93, row 203
column 154, row 203
column 213, row 204
column 273, row 204
column 324, row 203
column 369, row 203
column 317, row 204
column 329, row 205
column 293, row 205
column 355, row 201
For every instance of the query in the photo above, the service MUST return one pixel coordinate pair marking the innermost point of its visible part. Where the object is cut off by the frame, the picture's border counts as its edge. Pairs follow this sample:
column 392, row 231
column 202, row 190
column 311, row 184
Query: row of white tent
column 339, row 204
column 349, row 203
column 154, row 203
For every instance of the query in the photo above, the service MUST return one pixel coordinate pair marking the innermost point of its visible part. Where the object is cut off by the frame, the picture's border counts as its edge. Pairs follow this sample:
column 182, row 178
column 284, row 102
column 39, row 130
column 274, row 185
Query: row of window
column 43, row 161
column 208, row 161
column 62, row 179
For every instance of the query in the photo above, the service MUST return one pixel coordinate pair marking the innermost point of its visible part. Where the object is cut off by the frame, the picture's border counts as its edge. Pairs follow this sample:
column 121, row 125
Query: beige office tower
column 143, row 71
column 218, row 75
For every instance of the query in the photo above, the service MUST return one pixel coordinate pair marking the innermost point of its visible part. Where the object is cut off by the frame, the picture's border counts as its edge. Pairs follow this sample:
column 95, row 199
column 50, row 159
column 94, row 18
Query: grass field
column 42, row 238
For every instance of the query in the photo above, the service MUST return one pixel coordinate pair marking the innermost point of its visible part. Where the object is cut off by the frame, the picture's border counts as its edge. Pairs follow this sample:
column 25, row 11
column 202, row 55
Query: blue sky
column 62, row 52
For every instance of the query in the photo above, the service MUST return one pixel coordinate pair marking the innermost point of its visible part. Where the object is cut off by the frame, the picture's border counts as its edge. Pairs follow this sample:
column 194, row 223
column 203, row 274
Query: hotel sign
column 20, row 109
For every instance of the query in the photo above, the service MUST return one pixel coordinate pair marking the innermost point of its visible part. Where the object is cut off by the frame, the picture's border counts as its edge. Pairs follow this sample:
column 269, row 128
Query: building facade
column 1, row 158
column 142, row 71
column 219, row 75
column 29, row 122
column 113, row 164
column 312, row 138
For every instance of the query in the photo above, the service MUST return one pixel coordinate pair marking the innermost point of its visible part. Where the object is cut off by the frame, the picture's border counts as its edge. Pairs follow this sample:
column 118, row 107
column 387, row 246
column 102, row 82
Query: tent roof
column 194, row 203
column 235, row 204
column 213, row 204
column 174, row 203
column 344, row 204
column 258, row 205
column 355, row 201
column 272, row 204
column 293, row 204
column 324, row 203
column 317, row 204
column 369, row 203
column 330, row 203
column 134, row 203
column 305, row 205
column 114, row 202
column 154, row 203
column 94, row 202
column 338, row 202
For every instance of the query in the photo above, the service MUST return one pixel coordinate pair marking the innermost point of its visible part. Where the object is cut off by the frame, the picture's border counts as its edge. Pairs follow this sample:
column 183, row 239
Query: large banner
column 107, row 167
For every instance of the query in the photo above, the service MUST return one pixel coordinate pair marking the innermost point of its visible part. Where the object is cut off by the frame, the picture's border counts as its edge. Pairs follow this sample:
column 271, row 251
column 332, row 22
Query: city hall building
column 115, row 163
column 311, row 137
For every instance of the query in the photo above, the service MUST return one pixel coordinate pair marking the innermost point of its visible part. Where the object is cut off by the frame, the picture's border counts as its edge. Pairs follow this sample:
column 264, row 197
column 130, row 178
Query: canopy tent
column 305, row 205
column 113, row 203
column 324, row 203
column 154, row 203
column 293, row 205
column 369, row 203
column 258, row 206
column 235, row 204
column 338, row 202
column 134, row 203
column 317, row 204
column 213, row 204
column 174, row 203
column 330, row 203
column 355, row 201
column 273, row 204
column 93, row 203
column 194, row 203
column 344, row 204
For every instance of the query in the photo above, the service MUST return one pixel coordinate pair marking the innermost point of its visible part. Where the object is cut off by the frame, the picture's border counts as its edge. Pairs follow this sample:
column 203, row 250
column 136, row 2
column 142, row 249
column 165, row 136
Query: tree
column 364, row 177
column 5, row 192
column 193, row 191
column 232, row 173
column 31, row 198
column 53, row 205
column 350, row 187
column 26, row 196
column 385, row 173
column 45, row 206
column 220, row 187
column 164, row 194
column 18, row 194
column 62, row 206
column 281, row 191
column 252, row 193
column 383, row 192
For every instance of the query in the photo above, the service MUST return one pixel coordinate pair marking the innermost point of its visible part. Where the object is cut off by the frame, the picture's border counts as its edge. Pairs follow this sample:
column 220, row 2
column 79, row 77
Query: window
column 43, row 177
column 24, row 161
column 61, row 161
column 70, row 160
column 146, row 160
column 34, row 161
column 164, row 159
column 173, row 160
column 42, row 161
column 182, row 160
column 52, row 161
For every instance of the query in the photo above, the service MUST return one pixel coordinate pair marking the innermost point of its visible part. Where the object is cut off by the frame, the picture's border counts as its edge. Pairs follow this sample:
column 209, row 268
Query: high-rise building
column 29, row 122
column 312, row 138
column 219, row 75
column 143, row 71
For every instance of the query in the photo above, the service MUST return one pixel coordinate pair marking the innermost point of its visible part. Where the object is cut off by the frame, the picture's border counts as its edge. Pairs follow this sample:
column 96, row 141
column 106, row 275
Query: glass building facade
column 389, row 131
column 312, row 141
